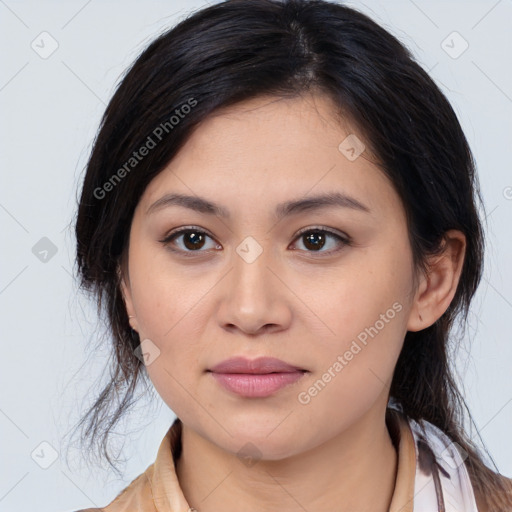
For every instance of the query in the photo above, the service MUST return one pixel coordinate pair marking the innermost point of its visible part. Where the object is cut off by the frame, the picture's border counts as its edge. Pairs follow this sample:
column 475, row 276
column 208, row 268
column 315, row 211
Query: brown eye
column 314, row 240
column 188, row 240
column 193, row 240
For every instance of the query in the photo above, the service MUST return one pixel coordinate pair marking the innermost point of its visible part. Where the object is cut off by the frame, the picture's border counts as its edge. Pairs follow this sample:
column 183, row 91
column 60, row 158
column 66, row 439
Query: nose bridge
column 252, row 297
column 250, row 279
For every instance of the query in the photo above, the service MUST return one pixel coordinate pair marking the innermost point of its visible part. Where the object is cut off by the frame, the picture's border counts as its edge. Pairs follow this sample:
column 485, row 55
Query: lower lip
column 256, row 385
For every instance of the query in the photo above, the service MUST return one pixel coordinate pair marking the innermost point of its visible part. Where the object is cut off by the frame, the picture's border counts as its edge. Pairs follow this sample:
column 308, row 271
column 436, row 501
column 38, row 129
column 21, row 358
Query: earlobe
column 416, row 321
column 126, row 294
column 438, row 286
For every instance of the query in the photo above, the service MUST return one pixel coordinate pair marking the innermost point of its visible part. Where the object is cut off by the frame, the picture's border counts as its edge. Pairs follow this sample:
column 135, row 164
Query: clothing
column 431, row 474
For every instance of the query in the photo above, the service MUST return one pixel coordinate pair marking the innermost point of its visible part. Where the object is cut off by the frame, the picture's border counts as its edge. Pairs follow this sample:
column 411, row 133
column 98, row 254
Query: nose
column 254, row 298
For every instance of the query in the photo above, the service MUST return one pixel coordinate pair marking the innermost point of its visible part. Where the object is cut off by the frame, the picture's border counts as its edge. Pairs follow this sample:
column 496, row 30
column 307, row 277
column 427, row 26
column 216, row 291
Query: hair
column 240, row 49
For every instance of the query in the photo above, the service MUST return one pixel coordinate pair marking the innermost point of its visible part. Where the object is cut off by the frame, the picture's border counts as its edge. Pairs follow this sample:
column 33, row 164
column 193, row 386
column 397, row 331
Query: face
column 277, row 271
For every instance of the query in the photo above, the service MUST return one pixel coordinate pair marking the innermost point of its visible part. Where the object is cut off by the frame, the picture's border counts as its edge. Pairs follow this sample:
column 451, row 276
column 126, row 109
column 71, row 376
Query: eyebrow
column 288, row 208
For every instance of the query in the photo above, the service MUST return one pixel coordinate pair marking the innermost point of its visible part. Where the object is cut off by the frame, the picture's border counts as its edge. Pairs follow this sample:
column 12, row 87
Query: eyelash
column 345, row 240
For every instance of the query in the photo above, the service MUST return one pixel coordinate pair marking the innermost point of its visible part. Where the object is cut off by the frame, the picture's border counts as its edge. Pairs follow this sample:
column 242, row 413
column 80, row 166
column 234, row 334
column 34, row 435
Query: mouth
column 255, row 378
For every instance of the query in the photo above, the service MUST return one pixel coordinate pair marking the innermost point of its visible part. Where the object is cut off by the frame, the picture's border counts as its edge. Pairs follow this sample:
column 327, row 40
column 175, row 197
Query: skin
column 300, row 305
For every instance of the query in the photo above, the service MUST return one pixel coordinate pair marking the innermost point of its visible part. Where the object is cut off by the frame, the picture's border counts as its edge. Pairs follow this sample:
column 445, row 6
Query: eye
column 193, row 240
column 315, row 239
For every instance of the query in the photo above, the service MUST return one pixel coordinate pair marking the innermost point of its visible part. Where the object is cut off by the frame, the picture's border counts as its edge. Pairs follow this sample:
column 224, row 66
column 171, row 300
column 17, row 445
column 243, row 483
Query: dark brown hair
column 239, row 49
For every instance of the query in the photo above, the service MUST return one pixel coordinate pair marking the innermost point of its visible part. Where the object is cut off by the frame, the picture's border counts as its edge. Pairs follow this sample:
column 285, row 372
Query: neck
column 355, row 470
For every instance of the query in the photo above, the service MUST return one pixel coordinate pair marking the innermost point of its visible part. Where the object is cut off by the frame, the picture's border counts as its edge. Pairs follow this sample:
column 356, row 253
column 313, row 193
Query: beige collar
column 403, row 495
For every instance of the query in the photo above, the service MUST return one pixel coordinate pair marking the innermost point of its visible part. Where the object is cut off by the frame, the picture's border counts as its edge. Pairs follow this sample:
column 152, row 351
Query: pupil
column 194, row 239
column 310, row 239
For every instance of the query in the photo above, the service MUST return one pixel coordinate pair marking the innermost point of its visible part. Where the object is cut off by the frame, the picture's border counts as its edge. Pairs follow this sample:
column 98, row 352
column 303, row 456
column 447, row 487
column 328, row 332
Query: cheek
column 163, row 293
column 368, row 292
column 169, row 303
column 366, row 311
column 174, row 333
column 354, row 370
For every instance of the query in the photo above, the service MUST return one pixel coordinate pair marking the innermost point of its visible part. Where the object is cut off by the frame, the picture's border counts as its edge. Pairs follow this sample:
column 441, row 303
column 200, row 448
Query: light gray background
column 50, row 110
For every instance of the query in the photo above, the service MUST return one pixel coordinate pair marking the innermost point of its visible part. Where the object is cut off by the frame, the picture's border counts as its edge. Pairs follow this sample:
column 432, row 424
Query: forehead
column 269, row 150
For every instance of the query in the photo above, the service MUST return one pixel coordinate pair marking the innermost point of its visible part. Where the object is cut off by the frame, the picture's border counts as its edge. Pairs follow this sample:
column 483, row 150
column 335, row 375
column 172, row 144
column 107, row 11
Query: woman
column 279, row 218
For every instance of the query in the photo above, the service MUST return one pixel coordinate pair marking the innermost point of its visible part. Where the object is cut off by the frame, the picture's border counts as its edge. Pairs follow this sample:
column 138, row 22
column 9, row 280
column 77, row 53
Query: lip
column 261, row 365
column 255, row 378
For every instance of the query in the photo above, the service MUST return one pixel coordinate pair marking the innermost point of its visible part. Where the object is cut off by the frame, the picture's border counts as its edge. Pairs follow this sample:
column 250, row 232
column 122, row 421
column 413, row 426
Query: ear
column 124, row 286
column 437, row 287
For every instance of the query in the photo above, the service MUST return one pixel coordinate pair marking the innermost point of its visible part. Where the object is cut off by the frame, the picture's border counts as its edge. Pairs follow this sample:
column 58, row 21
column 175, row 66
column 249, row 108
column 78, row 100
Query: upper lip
column 260, row 365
